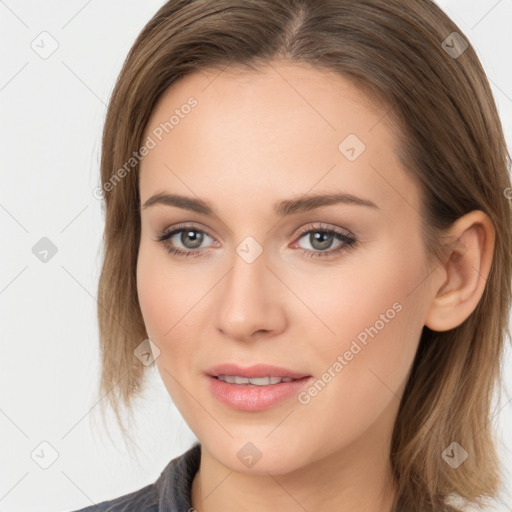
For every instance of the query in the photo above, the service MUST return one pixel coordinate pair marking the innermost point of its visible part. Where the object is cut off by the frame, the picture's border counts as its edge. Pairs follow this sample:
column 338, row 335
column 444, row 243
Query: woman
column 308, row 231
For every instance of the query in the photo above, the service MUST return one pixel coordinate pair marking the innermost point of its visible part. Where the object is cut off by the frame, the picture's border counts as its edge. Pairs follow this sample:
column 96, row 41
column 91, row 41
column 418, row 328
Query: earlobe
column 466, row 270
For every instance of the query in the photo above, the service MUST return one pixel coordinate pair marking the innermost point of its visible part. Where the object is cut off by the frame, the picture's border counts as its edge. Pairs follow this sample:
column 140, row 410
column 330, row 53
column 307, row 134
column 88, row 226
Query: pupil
column 195, row 235
column 321, row 240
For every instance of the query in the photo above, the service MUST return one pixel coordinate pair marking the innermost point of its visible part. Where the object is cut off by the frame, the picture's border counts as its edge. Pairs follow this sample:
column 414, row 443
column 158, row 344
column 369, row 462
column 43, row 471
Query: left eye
column 321, row 240
column 191, row 239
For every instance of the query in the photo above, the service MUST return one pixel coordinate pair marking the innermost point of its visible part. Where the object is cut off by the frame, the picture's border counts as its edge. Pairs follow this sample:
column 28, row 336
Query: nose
column 251, row 301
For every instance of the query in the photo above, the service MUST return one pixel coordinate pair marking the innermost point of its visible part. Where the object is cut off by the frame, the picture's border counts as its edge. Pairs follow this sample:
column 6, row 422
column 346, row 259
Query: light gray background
column 52, row 113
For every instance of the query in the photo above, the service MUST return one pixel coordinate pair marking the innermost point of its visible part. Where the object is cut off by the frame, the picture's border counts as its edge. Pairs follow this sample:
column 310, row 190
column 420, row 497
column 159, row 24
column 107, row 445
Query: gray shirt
column 170, row 493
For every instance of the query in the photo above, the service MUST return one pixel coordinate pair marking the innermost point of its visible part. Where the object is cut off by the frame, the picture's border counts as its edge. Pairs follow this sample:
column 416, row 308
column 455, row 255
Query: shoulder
column 143, row 500
column 172, row 489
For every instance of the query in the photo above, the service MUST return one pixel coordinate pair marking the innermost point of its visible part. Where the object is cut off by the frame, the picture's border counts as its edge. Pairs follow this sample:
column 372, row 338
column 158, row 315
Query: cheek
column 374, row 294
column 164, row 299
column 151, row 291
column 162, row 308
column 378, row 318
column 171, row 297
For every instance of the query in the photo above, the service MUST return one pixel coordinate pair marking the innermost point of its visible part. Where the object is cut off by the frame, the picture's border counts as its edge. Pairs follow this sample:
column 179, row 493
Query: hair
column 450, row 141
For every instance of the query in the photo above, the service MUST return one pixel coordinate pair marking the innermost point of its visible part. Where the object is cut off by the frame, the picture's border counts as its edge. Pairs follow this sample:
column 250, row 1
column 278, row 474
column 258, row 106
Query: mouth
column 254, row 372
column 253, row 381
column 254, row 388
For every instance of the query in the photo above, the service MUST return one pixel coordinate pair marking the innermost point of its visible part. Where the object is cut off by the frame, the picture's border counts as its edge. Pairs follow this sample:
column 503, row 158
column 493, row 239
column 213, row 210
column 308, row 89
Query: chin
column 256, row 455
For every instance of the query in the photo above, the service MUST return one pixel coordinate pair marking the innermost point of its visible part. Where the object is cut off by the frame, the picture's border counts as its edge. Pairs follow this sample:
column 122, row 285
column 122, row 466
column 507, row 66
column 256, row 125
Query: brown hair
column 450, row 140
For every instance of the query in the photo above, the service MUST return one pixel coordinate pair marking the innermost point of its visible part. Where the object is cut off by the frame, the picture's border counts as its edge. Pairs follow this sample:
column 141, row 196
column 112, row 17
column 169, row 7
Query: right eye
column 189, row 236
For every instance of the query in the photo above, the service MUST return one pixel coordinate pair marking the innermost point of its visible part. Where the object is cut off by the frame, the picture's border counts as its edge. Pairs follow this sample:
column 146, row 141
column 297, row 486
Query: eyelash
column 348, row 241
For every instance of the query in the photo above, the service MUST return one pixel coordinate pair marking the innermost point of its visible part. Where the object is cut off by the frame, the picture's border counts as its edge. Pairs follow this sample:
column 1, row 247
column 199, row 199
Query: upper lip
column 254, row 371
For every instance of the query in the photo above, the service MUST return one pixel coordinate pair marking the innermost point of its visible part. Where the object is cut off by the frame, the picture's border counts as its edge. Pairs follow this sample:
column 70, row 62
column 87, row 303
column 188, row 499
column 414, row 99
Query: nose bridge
column 247, row 280
column 248, row 301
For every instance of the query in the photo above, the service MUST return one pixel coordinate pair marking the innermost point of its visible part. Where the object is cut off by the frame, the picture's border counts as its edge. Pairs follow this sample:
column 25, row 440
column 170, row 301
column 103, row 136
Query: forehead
column 282, row 128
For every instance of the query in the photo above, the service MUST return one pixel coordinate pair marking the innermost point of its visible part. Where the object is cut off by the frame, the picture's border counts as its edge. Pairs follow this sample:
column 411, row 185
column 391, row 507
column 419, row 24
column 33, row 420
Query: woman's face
column 264, row 280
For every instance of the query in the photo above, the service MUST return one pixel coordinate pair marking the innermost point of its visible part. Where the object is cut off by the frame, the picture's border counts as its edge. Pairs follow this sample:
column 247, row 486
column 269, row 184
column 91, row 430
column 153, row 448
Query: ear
column 466, row 271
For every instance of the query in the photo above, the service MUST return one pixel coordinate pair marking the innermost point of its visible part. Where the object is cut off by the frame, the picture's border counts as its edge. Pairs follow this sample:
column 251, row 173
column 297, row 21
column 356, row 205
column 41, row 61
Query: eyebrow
column 283, row 208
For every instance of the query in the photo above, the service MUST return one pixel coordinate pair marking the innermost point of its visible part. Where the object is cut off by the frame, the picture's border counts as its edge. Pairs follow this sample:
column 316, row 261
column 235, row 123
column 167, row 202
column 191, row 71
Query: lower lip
column 254, row 398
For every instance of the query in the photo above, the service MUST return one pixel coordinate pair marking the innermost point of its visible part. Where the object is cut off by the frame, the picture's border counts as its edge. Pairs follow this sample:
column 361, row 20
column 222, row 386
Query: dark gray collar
column 175, row 482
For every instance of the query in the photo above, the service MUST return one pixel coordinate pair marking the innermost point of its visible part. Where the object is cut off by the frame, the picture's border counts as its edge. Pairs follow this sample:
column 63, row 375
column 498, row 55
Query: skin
column 256, row 138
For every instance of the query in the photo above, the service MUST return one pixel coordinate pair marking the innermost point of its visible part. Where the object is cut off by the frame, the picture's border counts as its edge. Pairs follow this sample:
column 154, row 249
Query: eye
column 321, row 239
column 191, row 238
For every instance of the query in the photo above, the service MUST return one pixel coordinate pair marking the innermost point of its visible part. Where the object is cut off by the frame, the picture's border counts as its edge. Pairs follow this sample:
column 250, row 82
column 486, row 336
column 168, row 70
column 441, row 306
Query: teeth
column 257, row 381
